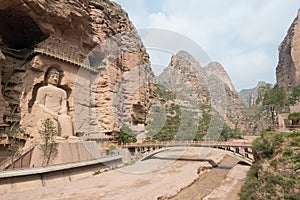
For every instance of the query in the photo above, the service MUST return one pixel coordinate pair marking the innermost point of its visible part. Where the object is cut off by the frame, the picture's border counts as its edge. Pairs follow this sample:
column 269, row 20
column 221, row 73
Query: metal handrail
column 205, row 143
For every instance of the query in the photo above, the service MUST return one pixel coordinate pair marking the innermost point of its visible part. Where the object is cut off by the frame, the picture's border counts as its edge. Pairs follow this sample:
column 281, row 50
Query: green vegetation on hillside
column 164, row 94
column 204, row 121
column 166, row 121
column 169, row 126
column 275, row 174
column 294, row 96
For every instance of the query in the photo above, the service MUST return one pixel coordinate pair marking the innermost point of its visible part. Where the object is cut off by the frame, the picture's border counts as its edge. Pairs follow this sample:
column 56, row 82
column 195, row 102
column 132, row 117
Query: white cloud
column 249, row 67
column 242, row 35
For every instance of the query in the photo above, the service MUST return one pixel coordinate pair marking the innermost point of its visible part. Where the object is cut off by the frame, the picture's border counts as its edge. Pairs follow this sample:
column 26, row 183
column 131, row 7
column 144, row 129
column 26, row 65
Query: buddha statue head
column 52, row 77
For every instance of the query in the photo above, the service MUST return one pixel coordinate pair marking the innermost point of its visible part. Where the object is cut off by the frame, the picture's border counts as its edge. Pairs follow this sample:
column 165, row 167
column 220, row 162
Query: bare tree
column 14, row 135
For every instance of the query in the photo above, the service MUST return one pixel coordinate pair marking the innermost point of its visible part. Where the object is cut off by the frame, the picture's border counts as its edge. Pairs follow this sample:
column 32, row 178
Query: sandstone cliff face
column 256, row 118
column 254, row 121
column 71, row 35
column 234, row 108
column 184, row 72
column 222, row 73
column 211, row 85
column 288, row 68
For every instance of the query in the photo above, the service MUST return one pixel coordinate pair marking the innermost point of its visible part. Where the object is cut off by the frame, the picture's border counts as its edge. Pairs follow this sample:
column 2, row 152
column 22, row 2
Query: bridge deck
column 189, row 143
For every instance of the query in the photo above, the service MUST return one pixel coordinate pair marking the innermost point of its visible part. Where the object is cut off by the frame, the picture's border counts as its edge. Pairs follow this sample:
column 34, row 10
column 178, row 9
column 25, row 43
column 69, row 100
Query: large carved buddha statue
column 51, row 102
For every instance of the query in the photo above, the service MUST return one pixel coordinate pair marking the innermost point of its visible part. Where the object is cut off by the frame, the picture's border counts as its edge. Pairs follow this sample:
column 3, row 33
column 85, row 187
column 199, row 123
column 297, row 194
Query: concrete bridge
column 242, row 150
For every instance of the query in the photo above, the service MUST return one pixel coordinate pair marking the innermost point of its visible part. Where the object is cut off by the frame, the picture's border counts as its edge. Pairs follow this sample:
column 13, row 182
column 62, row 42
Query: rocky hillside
column 249, row 96
column 211, row 85
column 201, row 95
column 276, row 172
column 256, row 118
column 288, row 68
column 234, row 108
column 210, row 90
column 106, row 70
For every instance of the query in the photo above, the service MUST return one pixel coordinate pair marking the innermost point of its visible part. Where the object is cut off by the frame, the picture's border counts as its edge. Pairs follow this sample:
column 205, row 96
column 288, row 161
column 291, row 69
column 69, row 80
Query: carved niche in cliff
column 47, row 94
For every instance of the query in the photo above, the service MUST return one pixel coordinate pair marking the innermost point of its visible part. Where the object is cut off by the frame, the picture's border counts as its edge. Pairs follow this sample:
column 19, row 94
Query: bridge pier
column 248, row 150
column 143, row 150
column 228, row 148
column 242, row 152
column 249, row 153
column 237, row 150
column 132, row 151
column 148, row 149
column 136, row 151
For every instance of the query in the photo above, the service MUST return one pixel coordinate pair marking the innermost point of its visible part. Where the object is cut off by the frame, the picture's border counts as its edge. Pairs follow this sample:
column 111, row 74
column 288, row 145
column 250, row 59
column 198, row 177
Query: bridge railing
column 182, row 143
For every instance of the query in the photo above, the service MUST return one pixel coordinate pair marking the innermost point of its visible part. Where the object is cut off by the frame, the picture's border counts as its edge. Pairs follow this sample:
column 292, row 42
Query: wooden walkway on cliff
column 26, row 54
column 67, row 59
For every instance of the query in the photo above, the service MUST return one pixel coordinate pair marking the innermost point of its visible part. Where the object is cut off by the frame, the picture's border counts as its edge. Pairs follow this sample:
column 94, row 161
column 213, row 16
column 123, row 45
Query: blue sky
column 241, row 35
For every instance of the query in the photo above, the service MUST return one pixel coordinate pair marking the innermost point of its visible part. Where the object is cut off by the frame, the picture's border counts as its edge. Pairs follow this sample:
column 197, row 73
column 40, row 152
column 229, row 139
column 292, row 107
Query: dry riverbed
column 162, row 177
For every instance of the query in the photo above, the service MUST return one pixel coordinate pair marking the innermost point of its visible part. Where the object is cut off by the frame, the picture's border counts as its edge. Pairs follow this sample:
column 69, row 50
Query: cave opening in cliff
column 18, row 30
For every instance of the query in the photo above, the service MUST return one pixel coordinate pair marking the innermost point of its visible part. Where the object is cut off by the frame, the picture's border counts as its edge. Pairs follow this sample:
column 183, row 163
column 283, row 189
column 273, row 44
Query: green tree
column 273, row 99
column 226, row 133
column 294, row 97
column 262, row 91
column 126, row 135
column 48, row 133
column 112, row 148
column 14, row 135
